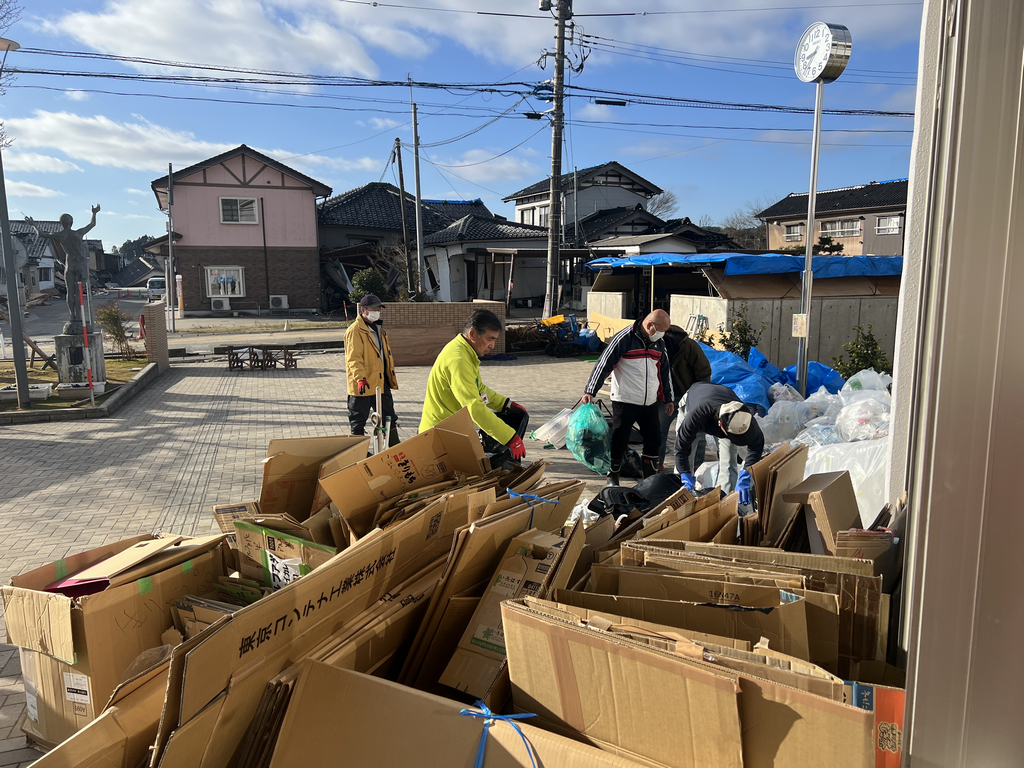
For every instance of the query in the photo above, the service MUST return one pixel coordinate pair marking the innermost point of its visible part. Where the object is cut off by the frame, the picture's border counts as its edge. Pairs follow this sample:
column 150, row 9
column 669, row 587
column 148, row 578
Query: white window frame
column 217, row 280
column 527, row 216
column 238, row 207
column 797, row 235
column 841, row 228
column 891, row 227
column 543, row 214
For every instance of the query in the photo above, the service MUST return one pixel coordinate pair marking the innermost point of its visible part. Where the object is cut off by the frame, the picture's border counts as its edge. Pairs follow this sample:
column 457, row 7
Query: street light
column 13, row 290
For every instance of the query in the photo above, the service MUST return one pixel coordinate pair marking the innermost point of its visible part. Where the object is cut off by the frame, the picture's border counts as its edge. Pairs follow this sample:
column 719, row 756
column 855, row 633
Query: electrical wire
column 481, row 162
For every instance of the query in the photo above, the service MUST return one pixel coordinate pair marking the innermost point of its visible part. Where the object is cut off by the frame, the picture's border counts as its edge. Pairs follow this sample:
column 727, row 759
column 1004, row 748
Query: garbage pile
column 416, row 608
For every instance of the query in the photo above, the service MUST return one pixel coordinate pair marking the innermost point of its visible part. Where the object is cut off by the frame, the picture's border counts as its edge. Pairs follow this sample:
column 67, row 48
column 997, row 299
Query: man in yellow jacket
column 368, row 365
column 454, row 383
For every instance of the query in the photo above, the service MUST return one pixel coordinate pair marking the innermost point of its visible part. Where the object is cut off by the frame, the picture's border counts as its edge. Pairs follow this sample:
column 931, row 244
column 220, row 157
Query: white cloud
column 591, row 111
column 24, row 189
column 74, row 95
column 504, row 168
column 131, row 191
column 33, row 163
column 140, row 145
column 381, row 123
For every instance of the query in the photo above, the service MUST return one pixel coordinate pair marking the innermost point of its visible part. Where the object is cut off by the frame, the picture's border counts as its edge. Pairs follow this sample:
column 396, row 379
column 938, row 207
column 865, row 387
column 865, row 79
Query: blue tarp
column 745, row 264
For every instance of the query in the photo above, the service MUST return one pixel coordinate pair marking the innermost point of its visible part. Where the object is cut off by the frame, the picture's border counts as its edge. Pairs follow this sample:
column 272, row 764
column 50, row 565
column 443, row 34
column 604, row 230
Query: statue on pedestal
column 76, row 268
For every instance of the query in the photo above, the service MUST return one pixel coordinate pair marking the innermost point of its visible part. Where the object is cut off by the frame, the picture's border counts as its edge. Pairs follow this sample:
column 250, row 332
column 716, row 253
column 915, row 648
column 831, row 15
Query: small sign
column 800, row 326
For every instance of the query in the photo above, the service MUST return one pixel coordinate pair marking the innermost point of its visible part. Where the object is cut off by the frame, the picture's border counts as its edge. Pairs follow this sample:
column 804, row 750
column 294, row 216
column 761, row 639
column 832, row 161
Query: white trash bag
column 784, row 421
column 866, row 419
column 553, row 432
column 779, row 391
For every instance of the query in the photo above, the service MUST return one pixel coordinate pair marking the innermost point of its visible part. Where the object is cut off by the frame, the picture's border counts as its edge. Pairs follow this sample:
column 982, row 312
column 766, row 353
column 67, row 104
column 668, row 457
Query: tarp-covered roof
column 745, row 264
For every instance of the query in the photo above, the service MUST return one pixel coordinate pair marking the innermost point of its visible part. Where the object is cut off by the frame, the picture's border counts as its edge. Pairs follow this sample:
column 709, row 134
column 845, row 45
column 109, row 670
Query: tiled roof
column 453, row 210
column 886, row 194
column 319, row 187
column 581, row 175
column 599, row 222
column 35, row 245
column 94, row 245
column 135, row 271
column 478, row 228
column 376, row 206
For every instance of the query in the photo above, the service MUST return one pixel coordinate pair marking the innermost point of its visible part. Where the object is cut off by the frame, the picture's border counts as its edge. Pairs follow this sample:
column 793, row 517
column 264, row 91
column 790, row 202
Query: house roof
column 593, row 225
column 136, row 271
column 35, row 245
column 453, row 210
column 582, row 174
column 94, row 245
column 622, row 240
column 475, row 228
column 376, row 206
column 884, row 194
column 321, row 189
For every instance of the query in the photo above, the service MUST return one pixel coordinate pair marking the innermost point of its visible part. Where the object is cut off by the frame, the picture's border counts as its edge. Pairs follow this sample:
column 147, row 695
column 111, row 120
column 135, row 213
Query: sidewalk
column 193, row 439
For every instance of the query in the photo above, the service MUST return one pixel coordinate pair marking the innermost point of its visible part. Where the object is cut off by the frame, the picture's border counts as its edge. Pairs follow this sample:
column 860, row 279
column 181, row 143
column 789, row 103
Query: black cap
column 369, row 300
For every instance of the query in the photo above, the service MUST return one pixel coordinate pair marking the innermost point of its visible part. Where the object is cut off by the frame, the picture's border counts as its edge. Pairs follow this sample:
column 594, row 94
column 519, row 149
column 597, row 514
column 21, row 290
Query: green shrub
column 742, row 336
column 114, row 322
column 367, row 281
column 865, row 352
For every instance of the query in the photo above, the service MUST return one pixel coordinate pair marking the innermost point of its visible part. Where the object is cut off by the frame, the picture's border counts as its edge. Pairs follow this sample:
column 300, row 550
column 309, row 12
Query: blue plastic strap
column 489, row 718
column 530, row 498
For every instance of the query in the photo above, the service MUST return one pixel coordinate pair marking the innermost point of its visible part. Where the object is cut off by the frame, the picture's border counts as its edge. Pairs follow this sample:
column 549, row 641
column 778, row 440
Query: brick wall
column 294, row 272
column 443, row 313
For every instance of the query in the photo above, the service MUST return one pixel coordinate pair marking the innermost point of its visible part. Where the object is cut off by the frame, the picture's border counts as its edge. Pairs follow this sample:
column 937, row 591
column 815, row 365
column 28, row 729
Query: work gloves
column 515, row 445
column 512, row 406
column 688, row 480
column 743, row 487
column 363, row 385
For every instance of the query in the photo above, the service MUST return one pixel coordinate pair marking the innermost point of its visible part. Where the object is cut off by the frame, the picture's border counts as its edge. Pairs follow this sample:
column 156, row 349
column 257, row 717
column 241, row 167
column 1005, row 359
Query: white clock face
column 813, row 51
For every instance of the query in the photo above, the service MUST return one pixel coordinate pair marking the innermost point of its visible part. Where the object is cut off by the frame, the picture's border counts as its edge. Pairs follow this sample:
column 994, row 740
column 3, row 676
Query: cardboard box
column 339, row 718
column 533, row 562
column 427, row 458
column 886, row 706
column 292, row 469
column 830, row 506
column 277, row 558
column 226, row 514
column 92, row 640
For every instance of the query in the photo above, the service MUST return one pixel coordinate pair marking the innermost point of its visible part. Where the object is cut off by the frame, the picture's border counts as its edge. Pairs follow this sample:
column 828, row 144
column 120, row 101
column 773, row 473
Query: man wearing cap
column 715, row 410
column 369, row 365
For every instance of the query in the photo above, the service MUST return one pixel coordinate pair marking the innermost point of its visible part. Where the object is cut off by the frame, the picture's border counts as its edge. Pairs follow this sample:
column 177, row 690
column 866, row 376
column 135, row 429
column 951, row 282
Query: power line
column 502, row 154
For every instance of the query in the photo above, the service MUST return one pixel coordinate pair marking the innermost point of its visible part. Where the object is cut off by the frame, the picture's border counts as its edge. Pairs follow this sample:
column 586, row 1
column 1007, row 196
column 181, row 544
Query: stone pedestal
column 70, row 350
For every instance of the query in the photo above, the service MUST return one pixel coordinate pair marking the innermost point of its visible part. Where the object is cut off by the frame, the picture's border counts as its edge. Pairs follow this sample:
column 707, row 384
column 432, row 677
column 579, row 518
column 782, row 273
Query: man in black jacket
column 689, row 365
column 641, row 386
column 715, row 410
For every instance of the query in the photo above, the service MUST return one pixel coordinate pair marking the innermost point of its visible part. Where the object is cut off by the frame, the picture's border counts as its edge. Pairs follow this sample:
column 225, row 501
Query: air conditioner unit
column 220, row 303
column 278, row 301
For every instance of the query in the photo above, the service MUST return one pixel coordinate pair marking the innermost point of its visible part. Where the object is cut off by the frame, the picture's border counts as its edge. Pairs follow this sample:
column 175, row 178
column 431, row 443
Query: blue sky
column 82, row 140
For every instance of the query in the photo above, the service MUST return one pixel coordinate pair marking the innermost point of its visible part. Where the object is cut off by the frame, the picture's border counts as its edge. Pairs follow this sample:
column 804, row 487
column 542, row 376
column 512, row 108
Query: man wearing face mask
column 638, row 362
column 368, row 365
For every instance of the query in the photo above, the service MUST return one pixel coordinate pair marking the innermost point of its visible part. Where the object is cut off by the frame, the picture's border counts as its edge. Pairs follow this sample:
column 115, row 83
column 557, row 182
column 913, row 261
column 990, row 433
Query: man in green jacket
column 454, row 383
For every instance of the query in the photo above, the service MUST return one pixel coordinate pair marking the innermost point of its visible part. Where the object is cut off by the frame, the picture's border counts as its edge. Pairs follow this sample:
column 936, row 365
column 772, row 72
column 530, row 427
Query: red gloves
column 512, row 406
column 363, row 385
column 516, row 446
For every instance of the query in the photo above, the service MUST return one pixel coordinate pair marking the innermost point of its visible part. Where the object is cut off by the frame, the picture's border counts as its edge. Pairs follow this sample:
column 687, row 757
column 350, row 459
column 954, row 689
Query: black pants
column 360, row 406
column 646, row 417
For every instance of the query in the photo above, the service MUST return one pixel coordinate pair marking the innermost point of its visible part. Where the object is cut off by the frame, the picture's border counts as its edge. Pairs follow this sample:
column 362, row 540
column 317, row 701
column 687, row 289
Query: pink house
column 245, row 234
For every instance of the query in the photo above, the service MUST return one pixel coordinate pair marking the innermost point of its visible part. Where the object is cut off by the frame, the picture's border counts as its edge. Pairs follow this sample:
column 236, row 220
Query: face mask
column 372, row 317
column 657, row 335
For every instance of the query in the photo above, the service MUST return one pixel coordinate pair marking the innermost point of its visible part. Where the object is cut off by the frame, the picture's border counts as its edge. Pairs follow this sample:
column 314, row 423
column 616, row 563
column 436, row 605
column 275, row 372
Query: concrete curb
column 125, row 393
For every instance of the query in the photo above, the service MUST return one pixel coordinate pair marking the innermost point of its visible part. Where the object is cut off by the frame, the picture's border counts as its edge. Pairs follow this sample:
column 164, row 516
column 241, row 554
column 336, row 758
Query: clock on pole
column 821, row 56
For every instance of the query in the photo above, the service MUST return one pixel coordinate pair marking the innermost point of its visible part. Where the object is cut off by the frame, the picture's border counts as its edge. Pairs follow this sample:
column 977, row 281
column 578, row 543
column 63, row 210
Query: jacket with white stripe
column 639, row 368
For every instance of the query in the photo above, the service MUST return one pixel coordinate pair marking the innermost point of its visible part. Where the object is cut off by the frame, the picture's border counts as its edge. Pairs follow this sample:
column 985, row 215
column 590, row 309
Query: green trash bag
column 589, row 438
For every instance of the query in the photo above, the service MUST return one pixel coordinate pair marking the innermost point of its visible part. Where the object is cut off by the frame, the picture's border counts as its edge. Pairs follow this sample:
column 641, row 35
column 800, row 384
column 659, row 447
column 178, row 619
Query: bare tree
column 706, row 221
column 10, row 12
column 664, row 205
column 743, row 226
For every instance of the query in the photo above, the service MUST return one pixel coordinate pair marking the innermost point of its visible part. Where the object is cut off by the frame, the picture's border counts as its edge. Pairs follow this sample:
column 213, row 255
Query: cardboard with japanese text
column 432, row 732
column 93, row 639
column 307, row 610
column 785, row 626
column 276, row 558
column 829, row 503
column 567, row 672
column 429, row 457
column 886, row 706
column 292, row 468
column 122, row 735
column 226, row 514
column 533, row 562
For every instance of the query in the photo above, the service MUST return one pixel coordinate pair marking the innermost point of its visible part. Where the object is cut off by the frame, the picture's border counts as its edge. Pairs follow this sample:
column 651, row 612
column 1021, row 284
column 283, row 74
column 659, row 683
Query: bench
column 262, row 357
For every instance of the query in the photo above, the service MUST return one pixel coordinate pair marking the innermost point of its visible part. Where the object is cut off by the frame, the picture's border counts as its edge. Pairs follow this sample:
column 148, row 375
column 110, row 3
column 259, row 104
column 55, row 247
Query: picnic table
column 262, row 357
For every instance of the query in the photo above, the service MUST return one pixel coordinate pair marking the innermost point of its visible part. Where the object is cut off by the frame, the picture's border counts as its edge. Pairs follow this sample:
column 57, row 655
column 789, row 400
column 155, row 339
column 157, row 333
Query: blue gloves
column 688, row 480
column 743, row 487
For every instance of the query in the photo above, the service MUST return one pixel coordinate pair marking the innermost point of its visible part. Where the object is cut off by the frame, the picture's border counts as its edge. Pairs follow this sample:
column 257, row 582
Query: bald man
column 638, row 362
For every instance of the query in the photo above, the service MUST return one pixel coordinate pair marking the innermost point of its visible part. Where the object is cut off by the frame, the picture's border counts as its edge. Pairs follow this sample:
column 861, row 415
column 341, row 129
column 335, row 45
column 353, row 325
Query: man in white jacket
column 638, row 362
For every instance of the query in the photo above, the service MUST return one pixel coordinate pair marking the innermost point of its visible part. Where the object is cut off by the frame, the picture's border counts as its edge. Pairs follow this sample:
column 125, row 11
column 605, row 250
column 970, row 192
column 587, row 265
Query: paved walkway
column 193, row 439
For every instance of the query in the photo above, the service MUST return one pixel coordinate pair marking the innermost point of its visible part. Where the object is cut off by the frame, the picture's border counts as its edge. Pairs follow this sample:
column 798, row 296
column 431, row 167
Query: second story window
column 841, row 228
column 794, row 232
column 238, row 210
column 542, row 215
column 888, row 225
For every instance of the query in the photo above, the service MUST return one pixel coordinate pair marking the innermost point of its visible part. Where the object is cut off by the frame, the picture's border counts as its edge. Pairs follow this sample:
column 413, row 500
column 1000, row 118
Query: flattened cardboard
column 255, row 541
column 828, row 499
column 292, row 468
column 786, row 474
column 427, row 458
column 130, row 558
column 226, row 514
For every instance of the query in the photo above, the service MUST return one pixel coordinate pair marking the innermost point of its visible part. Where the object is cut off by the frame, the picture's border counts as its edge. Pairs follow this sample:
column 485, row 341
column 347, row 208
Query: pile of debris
column 416, row 608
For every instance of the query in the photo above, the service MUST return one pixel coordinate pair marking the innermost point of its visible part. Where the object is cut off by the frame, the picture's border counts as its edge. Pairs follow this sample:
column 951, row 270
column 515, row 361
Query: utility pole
column 563, row 12
column 409, row 270
column 170, row 284
column 420, row 262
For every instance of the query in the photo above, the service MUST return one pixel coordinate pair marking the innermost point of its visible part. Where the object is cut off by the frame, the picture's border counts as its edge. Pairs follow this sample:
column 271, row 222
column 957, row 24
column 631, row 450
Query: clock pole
column 808, row 274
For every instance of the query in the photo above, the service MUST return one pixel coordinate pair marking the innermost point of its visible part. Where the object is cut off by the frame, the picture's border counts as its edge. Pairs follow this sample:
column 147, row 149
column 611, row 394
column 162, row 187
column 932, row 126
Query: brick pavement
column 193, row 439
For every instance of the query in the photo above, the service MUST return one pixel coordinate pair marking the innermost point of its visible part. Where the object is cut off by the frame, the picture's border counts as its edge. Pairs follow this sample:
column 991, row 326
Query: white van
column 156, row 288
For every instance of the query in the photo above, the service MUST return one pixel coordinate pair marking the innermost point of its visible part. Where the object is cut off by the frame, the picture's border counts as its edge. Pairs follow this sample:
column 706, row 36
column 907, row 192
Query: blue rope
column 530, row 498
column 489, row 718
